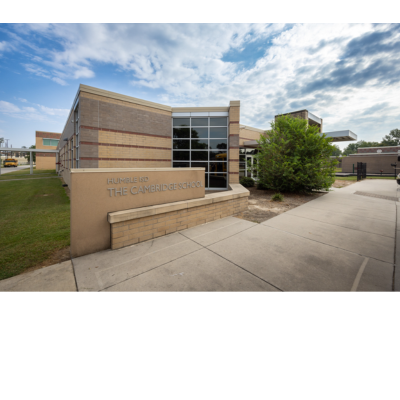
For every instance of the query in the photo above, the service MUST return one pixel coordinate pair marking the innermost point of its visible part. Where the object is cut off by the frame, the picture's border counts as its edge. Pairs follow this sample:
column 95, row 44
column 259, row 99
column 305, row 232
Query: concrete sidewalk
column 343, row 241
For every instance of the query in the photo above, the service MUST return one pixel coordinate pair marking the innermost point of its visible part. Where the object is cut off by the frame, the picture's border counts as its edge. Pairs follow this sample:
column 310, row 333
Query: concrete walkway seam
column 99, row 281
column 326, row 244
column 338, row 212
column 73, row 270
column 359, row 275
column 145, row 272
column 341, row 226
column 219, row 255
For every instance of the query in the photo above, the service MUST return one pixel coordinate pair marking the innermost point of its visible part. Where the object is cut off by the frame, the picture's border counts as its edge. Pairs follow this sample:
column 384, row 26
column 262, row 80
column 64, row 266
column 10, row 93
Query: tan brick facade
column 45, row 160
column 117, row 131
column 247, row 133
column 139, row 230
column 234, row 128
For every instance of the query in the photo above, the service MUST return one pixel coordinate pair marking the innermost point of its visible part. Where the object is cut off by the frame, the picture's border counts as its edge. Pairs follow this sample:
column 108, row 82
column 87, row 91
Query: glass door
column 251, row 162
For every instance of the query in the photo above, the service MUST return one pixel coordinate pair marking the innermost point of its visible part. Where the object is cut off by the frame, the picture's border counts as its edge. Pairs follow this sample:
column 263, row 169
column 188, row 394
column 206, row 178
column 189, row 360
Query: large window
column 202, row 142
column 50, row 142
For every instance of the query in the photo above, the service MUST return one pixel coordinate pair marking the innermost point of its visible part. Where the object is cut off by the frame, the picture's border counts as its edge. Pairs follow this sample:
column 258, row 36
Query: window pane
column 181, row 155
column 218, row 121
column 181, row 144
column 199, row 155
column 181, row 121
column 201, row 133
column 241, row 173
column 242, row 158
column 217, row 180
column 200, row 165
column 218, row 132
column 54, row 142
column 199, row 121
column 220, row 144
column 46, row 142
column 181, row 165
column 218, row 167
column 218, row 155
column 181, row 133
column 199, row 144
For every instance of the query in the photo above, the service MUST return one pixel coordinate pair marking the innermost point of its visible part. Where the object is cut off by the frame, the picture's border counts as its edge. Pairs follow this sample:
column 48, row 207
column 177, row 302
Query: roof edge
column 123, row 97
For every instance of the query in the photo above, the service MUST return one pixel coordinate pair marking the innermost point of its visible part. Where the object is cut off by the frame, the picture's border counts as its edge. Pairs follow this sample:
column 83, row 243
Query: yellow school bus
column 10, row 162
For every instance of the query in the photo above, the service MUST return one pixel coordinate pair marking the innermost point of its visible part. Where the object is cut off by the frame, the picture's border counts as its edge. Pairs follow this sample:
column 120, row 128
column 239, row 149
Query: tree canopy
column 393, row 139
column 294, row 157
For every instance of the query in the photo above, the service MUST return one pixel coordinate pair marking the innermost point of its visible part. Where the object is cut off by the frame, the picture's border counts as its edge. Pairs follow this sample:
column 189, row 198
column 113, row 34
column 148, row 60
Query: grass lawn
column 354, row 178
column 338, row 170
column 25, row 174
column 34, row 221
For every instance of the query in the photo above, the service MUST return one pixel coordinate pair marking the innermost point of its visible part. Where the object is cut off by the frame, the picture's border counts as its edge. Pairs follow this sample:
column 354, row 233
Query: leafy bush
column 277, row 197
column 247, row 181
column 295, row 157
column 261, row 186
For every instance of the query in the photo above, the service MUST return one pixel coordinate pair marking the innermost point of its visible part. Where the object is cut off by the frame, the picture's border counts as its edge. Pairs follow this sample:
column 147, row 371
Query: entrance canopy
column 13, row 149
column 341, row 136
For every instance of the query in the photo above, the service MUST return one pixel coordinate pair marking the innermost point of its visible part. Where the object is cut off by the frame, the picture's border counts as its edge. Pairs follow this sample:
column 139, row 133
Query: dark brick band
column 123, row 159
column 48, row 135
column 125, row 145
column 45, row 154
column 127, row 132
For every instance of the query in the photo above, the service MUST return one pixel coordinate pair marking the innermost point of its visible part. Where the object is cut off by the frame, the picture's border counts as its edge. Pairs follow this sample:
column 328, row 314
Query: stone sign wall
column 97, row 192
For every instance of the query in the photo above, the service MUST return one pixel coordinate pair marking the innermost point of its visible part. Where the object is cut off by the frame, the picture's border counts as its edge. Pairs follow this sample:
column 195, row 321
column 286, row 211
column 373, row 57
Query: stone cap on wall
column 236, row 191
column 97, row 170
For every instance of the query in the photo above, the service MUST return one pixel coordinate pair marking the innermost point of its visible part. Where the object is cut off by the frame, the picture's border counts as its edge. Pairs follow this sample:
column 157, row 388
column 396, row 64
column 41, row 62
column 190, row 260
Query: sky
column 347, row 74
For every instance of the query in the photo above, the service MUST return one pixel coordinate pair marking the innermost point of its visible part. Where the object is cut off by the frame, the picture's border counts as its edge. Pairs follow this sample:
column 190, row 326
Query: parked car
column 10, row 162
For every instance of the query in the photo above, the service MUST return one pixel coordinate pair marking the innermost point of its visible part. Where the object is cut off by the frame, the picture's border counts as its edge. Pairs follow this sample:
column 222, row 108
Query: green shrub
column 247, row 181
column 277, row 197
column 295, row 157
column 262, row 186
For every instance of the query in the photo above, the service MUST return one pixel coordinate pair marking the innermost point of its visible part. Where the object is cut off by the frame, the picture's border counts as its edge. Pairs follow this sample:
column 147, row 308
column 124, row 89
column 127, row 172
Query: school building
column 110, row 130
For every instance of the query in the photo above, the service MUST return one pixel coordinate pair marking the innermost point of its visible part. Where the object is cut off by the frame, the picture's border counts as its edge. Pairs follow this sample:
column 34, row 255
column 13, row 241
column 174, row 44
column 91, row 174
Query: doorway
column 251, row 162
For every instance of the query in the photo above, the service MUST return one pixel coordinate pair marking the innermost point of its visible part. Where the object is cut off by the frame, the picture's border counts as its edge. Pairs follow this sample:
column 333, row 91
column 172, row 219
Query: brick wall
column 118, row 134
column 138, row 230
column 248, row 134
column 375, row 163
column 234, row 128
column 45, row 160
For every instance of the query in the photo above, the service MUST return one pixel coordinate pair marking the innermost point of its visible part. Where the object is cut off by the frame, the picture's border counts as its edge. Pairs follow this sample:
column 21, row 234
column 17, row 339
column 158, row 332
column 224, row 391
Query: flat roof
column 341, row 136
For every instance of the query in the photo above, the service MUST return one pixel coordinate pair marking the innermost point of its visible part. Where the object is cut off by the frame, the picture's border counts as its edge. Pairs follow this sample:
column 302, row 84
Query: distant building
column 46, row 141
column 378, row 159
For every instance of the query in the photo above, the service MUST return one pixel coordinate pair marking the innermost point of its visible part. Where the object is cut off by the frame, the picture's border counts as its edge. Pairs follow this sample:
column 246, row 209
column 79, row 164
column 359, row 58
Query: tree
column 294, row 157
column 336, row 152
column 353, row 147
column 27, row 156
column 393, row 139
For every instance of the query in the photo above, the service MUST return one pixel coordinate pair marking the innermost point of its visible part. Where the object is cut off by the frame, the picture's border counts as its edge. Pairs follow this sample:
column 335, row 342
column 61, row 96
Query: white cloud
column 299, row 66
column 39, row 113
column 22, row 100
column 4, row 46
column 59, row 81
column 8, row 108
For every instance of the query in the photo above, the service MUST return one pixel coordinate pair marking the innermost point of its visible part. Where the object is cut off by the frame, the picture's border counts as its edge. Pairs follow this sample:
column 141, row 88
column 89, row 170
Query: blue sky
column 347, row 74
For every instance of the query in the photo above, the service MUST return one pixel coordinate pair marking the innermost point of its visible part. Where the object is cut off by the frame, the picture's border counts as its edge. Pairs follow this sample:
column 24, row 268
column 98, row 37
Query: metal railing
column 361, row 171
